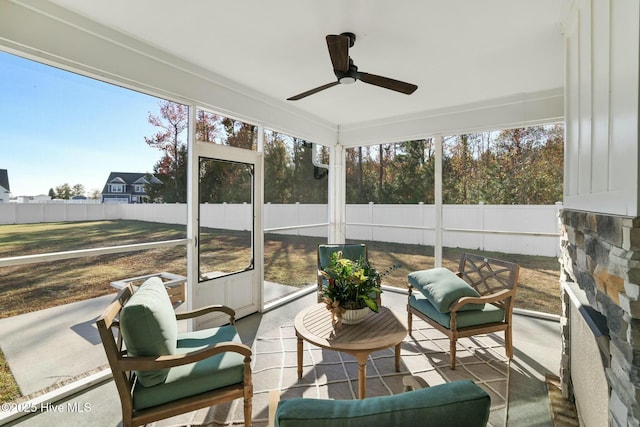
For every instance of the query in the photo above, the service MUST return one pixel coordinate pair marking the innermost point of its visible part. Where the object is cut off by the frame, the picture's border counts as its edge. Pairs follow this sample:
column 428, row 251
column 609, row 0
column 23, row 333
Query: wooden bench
column 174, row 283
column 444, row 302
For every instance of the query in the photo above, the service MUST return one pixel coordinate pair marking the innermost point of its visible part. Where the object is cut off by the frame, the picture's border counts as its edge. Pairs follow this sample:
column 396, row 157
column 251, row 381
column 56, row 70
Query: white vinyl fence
column 522, row 229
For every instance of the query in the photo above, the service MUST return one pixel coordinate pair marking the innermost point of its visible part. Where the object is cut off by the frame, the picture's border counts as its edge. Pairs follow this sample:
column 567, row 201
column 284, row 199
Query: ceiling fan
column 346, row 72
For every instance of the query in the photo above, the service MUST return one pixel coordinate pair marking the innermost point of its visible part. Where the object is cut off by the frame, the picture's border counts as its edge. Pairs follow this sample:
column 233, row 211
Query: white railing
column 522, row 229
column 80, row 253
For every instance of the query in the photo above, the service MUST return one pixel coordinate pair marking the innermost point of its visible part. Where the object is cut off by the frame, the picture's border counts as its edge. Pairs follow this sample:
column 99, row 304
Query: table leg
column 362, row 374
column 398, row 347
column 299, row 349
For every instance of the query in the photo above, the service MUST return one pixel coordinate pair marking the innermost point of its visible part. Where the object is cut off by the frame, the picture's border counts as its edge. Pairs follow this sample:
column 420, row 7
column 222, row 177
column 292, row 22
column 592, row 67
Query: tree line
column 290, row 176
column 66, row 192
column 513, row 166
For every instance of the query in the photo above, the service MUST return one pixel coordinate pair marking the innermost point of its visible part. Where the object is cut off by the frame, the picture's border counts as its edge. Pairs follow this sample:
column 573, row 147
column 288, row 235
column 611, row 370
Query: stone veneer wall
column 601, row 254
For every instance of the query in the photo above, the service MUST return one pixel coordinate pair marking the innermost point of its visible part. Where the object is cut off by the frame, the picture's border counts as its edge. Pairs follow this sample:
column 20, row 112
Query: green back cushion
column 460, row 403
column 149, row 327
column 353, row 252
column 442, row 288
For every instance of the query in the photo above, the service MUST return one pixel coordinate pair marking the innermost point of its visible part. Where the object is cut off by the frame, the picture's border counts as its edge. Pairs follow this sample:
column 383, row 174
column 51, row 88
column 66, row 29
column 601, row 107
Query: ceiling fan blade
column 387, row 83
column 312, row 91
column 339, row 51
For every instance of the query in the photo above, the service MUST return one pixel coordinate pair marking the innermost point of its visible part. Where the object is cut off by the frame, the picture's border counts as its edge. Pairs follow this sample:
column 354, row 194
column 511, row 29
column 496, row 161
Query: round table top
column 378, row 331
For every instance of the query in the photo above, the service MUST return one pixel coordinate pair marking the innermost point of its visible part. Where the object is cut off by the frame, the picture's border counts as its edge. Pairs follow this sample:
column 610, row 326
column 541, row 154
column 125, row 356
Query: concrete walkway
column 50, row 347
column 53, row 345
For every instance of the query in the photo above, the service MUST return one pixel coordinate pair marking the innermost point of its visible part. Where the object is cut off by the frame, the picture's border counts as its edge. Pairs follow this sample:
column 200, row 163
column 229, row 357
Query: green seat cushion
column 489, row 314
column 189, row 380
column 460, row 403
column 443, row 288
column 350, row 251
column 149, row 327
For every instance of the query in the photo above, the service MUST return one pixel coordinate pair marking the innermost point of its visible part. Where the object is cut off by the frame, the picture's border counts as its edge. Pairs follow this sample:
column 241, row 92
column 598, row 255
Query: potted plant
column 352, row 289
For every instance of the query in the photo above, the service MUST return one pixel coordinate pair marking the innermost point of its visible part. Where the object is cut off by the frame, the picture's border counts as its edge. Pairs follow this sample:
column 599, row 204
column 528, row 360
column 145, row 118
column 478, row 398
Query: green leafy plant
column 351, row 284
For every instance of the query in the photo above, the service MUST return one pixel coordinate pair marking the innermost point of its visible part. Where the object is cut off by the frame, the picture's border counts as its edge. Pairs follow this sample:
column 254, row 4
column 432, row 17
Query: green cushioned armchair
column 160, row 373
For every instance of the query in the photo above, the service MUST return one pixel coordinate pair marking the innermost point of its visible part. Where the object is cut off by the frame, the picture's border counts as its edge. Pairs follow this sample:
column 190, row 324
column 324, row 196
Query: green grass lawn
column 288, row 260
column 292, row 261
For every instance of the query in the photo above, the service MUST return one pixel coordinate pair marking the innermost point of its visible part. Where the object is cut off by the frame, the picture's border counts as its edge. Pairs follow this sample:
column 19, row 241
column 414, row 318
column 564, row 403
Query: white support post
column 192, row 213
column 258, row 226
column 337, row 202
column 437, row 248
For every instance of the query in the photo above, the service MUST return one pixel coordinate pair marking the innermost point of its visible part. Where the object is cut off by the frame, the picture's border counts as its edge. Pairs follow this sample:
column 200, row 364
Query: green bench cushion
column 489, row 314
column 443, row 288
column 188, row 380
column 149, row 327
column 451, row 404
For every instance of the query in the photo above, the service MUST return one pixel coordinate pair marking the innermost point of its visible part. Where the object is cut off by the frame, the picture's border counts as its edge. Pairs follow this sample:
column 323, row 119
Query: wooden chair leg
column 507, row 342
column 410, row 323
column 452, row 354
column 247, row 411
column 248, row 392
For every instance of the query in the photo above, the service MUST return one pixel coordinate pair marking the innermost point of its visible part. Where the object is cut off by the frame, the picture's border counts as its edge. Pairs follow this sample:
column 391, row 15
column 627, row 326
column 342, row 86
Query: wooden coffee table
column 378, row 331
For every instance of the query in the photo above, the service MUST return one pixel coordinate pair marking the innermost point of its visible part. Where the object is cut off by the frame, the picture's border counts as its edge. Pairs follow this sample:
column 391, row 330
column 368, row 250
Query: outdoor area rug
column 333, row 375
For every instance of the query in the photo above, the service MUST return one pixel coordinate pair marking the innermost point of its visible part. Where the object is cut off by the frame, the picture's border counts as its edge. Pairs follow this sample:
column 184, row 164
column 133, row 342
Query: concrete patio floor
column 62, row 342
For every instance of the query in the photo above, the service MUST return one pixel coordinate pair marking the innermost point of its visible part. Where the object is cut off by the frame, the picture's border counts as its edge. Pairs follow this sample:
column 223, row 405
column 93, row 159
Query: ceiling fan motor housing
column 349, row 76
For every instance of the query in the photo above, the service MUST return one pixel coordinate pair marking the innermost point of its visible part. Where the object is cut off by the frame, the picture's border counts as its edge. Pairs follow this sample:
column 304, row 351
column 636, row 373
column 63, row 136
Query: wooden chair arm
column 485, row 299
column 169, row 361
column 274, row 399
column 206, row 310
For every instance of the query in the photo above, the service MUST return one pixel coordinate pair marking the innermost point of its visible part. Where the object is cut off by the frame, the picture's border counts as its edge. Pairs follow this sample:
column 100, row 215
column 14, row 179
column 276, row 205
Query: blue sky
column 57, row 127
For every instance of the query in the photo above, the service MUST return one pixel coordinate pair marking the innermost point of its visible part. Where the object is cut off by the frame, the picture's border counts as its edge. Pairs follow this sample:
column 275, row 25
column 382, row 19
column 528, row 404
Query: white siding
column 601, row 95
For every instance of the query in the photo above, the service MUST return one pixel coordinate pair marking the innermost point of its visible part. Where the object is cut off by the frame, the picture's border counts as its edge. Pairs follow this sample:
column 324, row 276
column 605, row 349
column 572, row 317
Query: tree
column 277, row 170
column 531, row 161
column 95, row 194
column 63, row 191
column 412, row 172
column 514, row 166
column 362, row 173
column 223, row 181
column 307, row 185
column 290, row 173
column 239, row 134
column 77, row 190
column 458, row 174
column 172, row 121
column 208, row 127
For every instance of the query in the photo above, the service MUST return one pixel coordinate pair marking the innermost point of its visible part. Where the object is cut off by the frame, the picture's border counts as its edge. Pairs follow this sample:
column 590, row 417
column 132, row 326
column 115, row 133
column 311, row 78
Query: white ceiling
column 456, row 51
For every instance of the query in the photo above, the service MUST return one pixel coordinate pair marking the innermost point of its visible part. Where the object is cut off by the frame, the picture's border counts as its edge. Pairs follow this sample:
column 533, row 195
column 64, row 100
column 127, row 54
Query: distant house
column 41, row 198
column 127, row 187
column 4, row 186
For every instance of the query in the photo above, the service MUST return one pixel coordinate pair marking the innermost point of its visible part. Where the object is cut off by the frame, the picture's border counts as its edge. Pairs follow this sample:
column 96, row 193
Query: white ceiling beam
column 519, row 110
